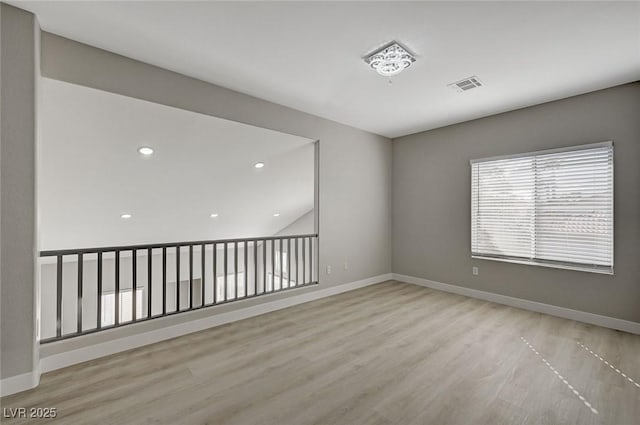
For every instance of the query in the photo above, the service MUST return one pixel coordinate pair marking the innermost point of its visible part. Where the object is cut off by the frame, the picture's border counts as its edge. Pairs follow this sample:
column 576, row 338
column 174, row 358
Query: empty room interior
column 306, row 212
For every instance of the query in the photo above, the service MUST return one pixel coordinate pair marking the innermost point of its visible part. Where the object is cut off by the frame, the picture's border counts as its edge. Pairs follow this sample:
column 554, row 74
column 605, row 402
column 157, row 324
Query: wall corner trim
column 71, row 357
column 552, row 310
column 19, row 383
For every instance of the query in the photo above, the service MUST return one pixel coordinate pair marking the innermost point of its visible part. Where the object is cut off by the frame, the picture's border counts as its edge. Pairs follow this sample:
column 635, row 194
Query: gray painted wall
column 432, row 190
column 19, row 59
column 354, row 166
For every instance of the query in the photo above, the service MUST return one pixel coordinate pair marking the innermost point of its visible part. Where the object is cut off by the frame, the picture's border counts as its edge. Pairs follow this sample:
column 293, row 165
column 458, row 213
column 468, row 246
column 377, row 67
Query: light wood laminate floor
column 391, row 353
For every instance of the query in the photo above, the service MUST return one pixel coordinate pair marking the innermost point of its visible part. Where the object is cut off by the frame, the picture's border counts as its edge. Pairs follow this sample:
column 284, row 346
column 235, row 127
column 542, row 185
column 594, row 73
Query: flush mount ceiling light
column 259, row 164
column 390, row 59
column 145, row 150
column 125, row 216
column 214, row 215
column 276, row 215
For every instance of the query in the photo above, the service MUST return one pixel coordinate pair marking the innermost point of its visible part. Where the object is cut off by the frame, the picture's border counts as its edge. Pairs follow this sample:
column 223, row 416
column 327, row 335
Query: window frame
column 550, row 263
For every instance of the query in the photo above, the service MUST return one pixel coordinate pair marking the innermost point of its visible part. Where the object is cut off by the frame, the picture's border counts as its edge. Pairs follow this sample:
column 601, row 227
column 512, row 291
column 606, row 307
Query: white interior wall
column 301, row 226
column 90, row 173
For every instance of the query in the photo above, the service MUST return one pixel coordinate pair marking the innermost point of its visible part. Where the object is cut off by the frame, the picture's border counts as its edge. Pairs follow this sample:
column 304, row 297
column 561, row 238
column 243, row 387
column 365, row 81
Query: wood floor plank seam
column 611, row 366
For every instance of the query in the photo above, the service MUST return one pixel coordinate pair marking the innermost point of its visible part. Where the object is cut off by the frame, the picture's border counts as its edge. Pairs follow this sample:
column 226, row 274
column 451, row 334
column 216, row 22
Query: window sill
column 599, row 270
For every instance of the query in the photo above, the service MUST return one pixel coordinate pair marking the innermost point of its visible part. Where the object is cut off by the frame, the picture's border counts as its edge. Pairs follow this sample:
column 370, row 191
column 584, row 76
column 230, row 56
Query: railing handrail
column 251, row 267
column 72, row 251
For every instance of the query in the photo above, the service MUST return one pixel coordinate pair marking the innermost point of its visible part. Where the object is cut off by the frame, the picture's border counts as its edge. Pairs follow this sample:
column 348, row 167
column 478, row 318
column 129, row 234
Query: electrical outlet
column 328, row 269
column 475, row 271
column 346, row 265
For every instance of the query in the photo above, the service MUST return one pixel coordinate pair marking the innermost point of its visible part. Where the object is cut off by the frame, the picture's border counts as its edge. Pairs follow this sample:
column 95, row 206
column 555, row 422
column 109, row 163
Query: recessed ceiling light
column 145, row 150
column 259, row 164
column 276, row 215
column 214, row 215
column 125, row 216
column 390, row 59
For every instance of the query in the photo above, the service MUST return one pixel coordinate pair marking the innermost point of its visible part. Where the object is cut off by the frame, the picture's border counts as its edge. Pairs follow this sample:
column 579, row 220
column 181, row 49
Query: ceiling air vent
column 466, row 84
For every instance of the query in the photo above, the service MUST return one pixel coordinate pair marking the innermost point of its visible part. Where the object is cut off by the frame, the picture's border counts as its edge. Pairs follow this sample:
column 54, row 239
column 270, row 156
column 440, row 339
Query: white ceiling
column 308, row 55
column 89, row 173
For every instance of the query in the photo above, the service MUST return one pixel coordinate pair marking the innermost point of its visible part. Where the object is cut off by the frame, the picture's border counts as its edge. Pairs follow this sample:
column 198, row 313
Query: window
column 231, row 290
column 284, row 255
column 126, row 306
column 279, row 278
column 552, row 208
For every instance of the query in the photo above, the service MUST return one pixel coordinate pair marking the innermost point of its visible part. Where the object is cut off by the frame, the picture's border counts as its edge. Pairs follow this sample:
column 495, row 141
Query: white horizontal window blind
column 551, row 208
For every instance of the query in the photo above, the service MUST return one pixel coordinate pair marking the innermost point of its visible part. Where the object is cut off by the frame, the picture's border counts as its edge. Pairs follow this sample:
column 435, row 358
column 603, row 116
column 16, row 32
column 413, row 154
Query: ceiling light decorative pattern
column 390, row 60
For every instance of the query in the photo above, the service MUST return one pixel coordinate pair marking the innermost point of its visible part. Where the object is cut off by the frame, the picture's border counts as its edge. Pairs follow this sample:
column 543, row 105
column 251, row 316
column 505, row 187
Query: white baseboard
column 566, row 313
column 68, row 358
column 18, row 383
